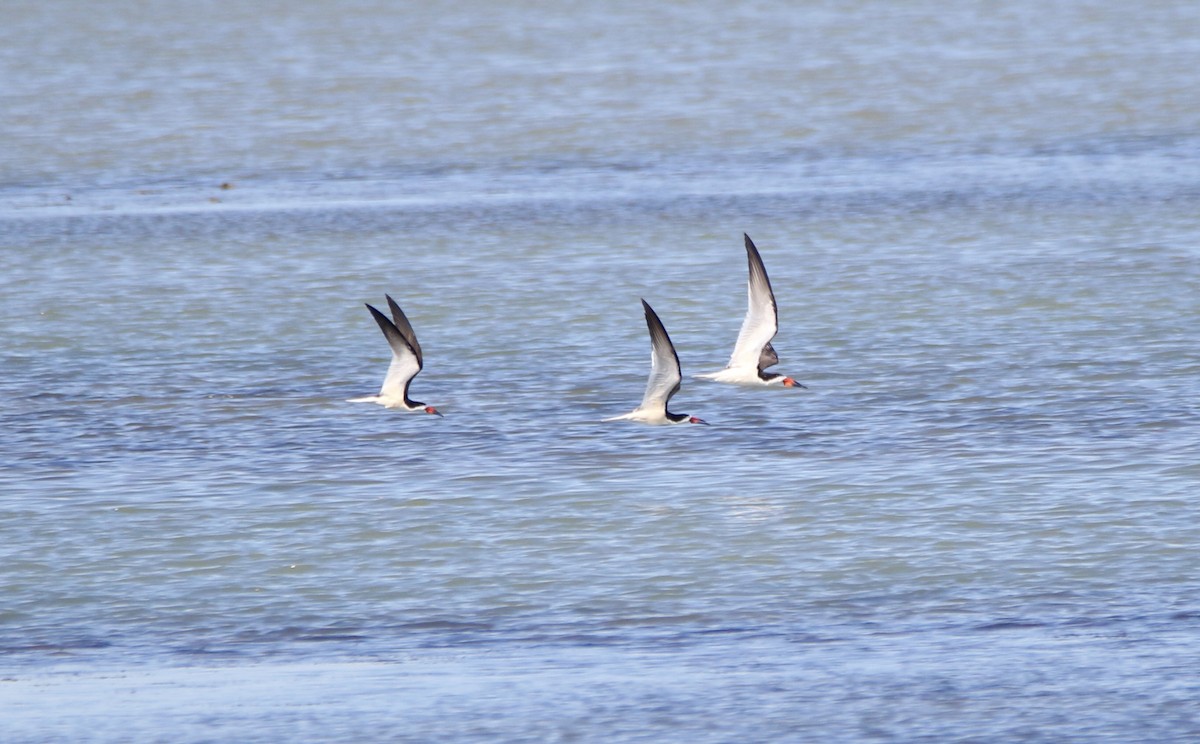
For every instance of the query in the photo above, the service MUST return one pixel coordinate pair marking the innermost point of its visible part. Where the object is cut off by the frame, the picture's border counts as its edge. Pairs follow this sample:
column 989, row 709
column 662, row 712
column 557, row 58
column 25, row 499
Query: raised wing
column 405, row 328
column 768, row 357
column 664, row 364
column 753, row 347
column 405, row 364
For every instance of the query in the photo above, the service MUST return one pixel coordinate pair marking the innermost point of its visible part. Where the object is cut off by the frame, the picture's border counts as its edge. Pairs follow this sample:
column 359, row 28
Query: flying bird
column 753, row 353
column 664, row 379
column 406, row 362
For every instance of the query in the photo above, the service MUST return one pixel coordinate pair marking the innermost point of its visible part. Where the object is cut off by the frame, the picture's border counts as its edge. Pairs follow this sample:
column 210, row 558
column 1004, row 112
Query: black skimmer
column 664, row 379
column 753, row 352
column 406, row 362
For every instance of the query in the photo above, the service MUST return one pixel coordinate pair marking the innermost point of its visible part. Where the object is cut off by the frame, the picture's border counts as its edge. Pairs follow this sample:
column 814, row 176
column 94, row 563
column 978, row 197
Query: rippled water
column 977, row 524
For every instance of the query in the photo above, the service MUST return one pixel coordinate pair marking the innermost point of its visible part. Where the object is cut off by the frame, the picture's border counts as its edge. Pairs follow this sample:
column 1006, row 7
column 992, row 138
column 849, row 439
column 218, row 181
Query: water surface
column 978, row 523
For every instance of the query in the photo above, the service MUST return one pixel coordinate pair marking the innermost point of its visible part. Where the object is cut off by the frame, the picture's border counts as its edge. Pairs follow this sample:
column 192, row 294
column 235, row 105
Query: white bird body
column 664, row 381
column 406, row 362
column 753, row 353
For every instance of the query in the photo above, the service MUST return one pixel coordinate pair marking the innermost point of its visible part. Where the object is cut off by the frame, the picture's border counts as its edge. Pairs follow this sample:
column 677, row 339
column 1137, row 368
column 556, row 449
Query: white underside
column 645, row 417
column 386, row 401
column 740, row 376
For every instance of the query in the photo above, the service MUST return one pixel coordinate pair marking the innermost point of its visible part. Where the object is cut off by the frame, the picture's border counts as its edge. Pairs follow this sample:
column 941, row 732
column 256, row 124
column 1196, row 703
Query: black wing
column 665, row 377
column 402, row 325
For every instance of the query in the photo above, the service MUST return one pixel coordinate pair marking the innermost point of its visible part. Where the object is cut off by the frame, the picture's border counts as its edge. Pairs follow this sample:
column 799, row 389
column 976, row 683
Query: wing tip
column 652, row 318
column 752, row 250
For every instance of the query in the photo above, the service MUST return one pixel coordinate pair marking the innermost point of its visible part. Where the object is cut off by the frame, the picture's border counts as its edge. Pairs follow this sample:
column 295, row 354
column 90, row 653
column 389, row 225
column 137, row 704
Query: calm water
column 979, row 523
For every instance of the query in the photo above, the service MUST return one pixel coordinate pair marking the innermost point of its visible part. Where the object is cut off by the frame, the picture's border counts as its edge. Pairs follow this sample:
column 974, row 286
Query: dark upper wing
column 405, row 364
column 768, row 357
column 402, row 324
column 664, row 363
column 762, row 317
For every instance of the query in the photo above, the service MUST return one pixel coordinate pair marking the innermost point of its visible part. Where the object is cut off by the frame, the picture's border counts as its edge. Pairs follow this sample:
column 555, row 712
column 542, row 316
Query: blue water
column 978, row 523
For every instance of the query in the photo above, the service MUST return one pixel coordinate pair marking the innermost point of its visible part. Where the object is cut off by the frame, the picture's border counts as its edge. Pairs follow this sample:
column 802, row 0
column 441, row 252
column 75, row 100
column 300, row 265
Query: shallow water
column 978, row 522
